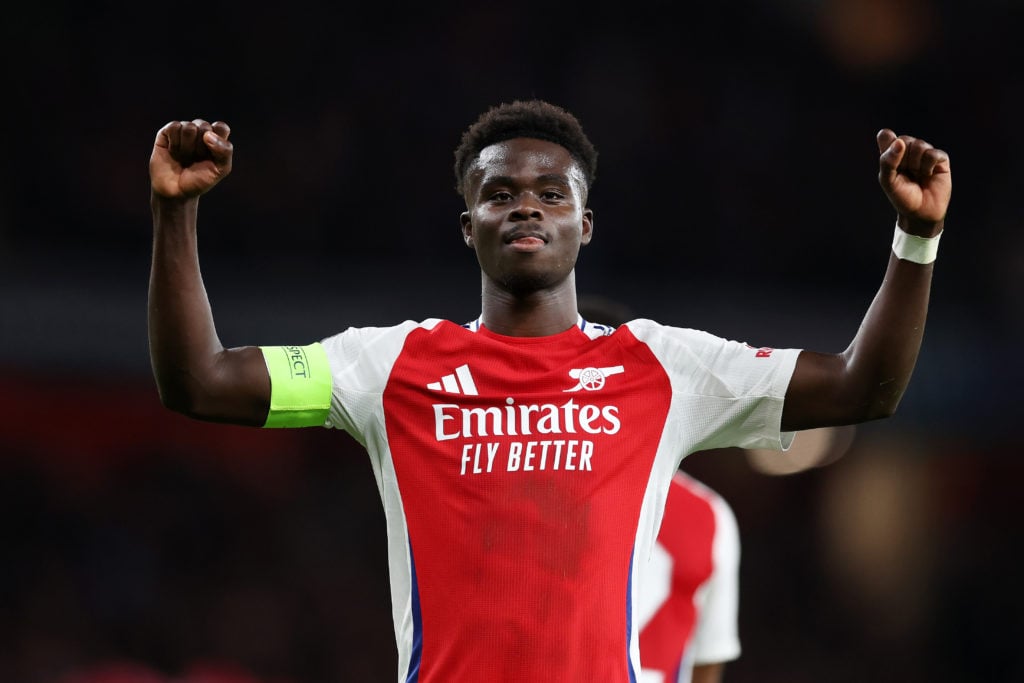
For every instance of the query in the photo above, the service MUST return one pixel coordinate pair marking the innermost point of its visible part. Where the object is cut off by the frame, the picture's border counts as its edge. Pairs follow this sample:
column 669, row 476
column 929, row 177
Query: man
column 688, row 605
column 524, row 459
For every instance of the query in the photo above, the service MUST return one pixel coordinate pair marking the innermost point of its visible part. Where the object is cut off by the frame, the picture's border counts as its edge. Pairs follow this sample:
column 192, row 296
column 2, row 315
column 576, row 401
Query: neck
column 540, row 313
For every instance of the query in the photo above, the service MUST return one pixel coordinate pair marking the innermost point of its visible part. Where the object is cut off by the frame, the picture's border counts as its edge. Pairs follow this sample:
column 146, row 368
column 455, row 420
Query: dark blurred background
column 736, row 193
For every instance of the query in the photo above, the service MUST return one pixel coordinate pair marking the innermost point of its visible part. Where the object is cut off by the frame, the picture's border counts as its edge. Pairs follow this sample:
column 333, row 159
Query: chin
column 521, row 284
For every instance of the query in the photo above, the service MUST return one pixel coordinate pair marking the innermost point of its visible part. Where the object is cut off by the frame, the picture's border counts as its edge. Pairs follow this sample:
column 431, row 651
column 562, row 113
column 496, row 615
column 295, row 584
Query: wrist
column 919, row 228
column 914, row 248
column 174, row 213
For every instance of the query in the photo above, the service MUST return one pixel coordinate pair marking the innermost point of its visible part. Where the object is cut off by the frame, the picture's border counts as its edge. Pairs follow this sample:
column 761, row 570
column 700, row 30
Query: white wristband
column 913, row 248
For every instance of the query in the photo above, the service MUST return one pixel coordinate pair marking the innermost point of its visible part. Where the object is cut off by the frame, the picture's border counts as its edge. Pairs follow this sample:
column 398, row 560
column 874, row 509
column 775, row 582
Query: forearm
column 881, row 358
column 183, row 340
column 193, row 371
column 868, row 379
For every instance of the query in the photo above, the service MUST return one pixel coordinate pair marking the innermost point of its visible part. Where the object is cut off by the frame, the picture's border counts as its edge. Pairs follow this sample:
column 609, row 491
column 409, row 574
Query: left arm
column 867, row 380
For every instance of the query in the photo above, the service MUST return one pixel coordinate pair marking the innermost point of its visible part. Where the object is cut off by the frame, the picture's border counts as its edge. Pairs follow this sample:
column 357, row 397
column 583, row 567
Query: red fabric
column 547, row 549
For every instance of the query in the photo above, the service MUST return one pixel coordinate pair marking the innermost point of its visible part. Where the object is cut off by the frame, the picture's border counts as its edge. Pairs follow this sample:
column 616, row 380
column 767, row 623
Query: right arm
column 195, row 374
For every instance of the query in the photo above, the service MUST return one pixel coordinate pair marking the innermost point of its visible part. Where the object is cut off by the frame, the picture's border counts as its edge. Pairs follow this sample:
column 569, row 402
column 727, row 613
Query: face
column 525, row 214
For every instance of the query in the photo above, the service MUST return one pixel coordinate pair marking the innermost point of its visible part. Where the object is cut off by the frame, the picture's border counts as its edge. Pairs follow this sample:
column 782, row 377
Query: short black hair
column 525, row 119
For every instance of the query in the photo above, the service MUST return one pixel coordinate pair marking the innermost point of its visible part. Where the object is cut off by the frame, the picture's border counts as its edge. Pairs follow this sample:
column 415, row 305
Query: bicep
column 238, row 389
column 819, row 393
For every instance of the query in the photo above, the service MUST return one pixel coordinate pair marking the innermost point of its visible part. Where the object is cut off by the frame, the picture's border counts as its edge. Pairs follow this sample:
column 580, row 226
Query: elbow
column 855, row 405
column 180, row 400
column 879, row 412
column 211, row 399
column 881, row 403
column 184, row 393
column 852, row 414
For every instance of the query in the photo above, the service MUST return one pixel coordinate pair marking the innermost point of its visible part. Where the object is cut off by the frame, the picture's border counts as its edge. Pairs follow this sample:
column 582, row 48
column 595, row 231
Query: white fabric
column 909, row 247
column 716, row 638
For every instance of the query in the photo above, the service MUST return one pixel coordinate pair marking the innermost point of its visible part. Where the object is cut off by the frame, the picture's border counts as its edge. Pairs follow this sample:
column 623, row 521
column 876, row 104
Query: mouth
column 525, row 240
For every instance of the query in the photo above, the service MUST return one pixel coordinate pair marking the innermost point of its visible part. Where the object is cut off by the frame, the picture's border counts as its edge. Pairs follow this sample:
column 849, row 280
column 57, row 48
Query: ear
column 467, row 228
column 588, row 226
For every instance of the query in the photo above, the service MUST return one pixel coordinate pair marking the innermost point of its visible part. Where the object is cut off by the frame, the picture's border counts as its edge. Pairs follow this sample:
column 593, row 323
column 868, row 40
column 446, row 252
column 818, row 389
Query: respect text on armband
column 297, row 362
column 547, row 436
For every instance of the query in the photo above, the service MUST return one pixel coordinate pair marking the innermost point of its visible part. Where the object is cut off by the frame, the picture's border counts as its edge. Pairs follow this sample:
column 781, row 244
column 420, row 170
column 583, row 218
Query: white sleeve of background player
column 731, row 393
column 716, row 637
column 361, row 359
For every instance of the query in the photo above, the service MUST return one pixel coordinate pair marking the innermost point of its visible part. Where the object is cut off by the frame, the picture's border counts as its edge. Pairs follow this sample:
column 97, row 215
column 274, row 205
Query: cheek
column 485, row 225
column 573, row 227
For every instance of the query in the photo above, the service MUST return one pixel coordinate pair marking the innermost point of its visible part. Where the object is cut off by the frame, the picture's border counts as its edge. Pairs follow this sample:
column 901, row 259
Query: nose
column 527, row 208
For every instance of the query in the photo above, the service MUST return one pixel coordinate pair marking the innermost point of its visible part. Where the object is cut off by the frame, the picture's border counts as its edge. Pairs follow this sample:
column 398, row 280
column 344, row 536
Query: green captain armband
column 300, row 385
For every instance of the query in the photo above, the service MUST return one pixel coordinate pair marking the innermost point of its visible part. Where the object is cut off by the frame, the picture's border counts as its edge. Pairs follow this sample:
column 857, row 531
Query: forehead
column 525, row 157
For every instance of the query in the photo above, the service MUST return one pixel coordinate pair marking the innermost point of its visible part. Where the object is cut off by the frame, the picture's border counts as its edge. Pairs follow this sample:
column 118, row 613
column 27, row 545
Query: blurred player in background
column 688, row 607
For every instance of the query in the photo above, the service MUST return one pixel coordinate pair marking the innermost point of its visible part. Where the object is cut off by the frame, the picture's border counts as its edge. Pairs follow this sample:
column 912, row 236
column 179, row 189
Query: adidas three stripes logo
column 460, row 382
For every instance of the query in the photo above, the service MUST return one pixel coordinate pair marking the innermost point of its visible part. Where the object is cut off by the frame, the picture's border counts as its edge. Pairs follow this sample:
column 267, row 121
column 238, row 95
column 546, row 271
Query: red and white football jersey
column 524, row 478
column 689, row 591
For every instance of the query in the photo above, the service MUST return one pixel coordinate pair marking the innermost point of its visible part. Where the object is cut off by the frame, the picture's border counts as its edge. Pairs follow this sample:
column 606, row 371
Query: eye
column 553, row 195
column 500, row 196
